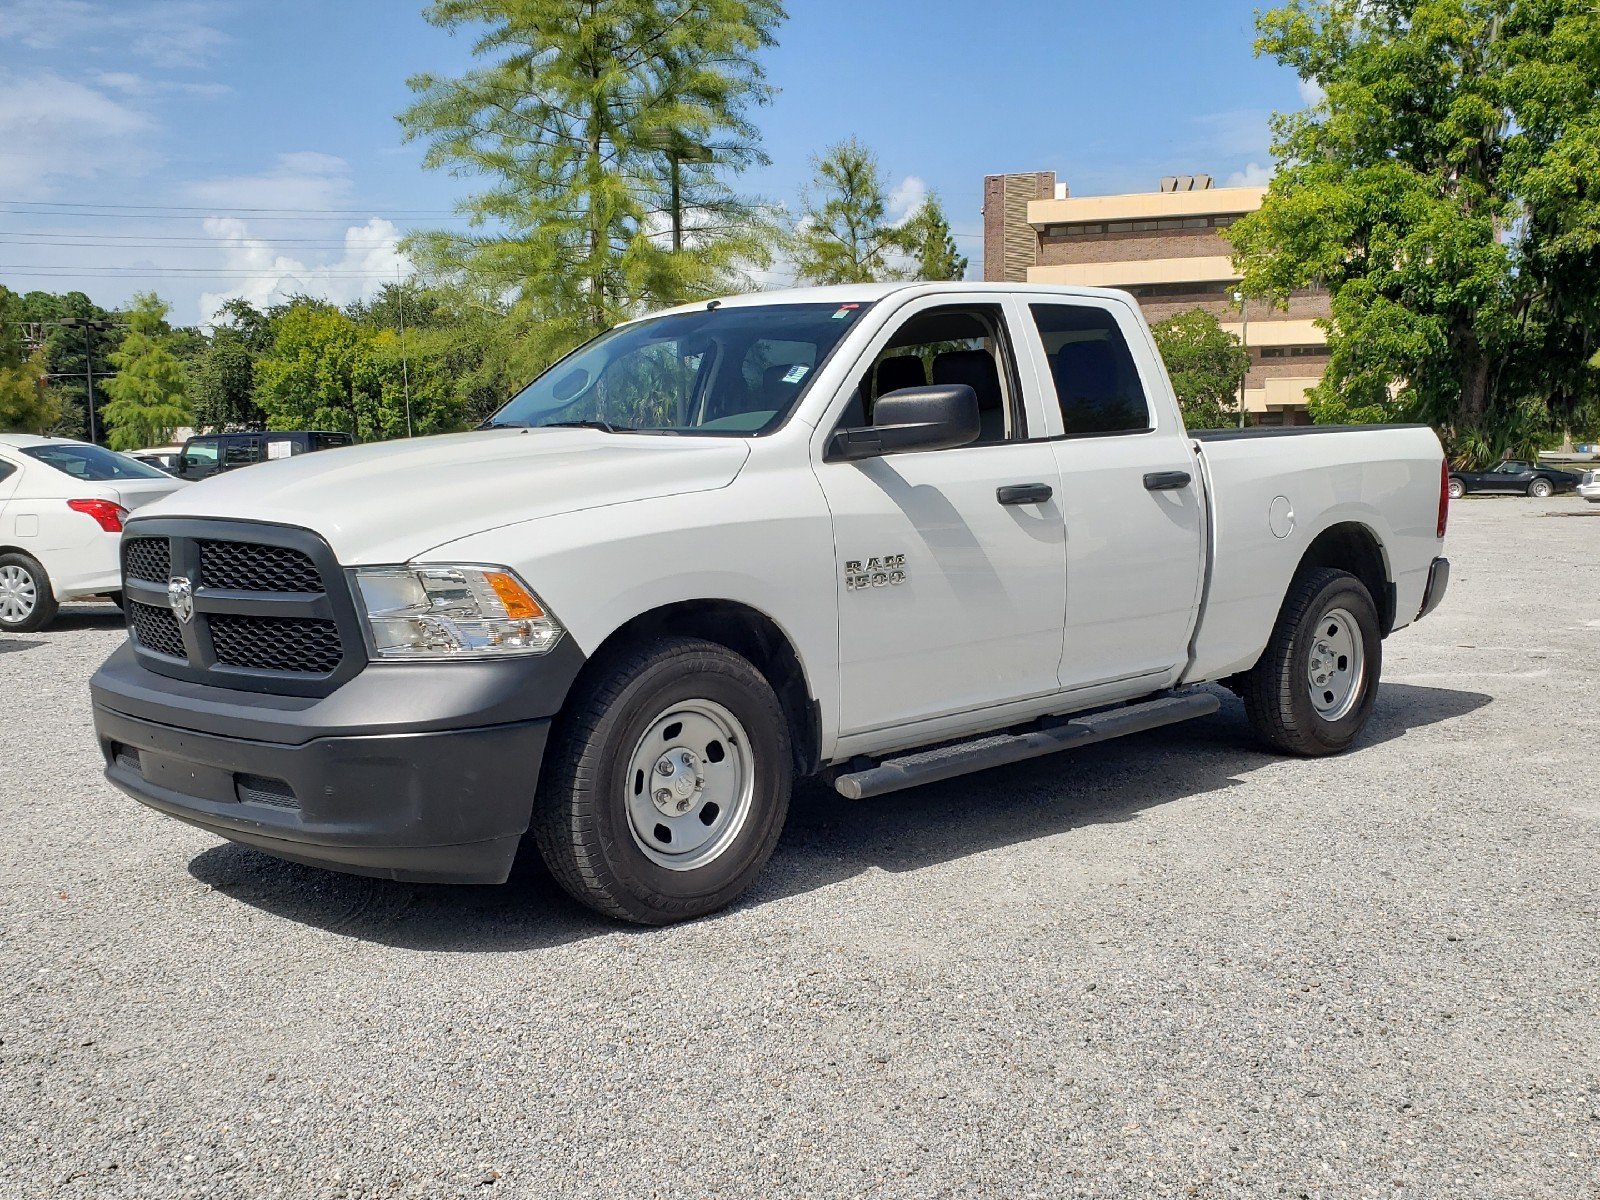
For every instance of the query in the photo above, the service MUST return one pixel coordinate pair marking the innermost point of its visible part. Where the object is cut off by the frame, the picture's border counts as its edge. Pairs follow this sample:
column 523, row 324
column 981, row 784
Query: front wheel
column 27, row 601
column 1315, row 684
column 1540, row 489
column 1457, row 488
column 667, row 782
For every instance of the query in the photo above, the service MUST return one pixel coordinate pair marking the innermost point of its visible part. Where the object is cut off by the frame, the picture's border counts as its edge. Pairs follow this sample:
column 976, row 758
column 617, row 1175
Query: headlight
column 451, row 611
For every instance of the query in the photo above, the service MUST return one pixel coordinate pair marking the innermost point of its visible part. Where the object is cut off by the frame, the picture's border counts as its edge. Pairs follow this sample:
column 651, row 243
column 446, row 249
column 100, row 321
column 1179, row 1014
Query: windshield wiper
column 607, row 426
column 503, row 425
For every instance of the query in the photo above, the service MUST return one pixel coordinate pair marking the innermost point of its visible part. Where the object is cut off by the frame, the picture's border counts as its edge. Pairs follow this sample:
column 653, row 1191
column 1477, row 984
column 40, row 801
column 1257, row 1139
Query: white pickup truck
column 884, row 534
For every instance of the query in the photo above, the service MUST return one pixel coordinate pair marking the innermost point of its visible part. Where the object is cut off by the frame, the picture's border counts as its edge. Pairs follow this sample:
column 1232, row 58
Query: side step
column 930, row 766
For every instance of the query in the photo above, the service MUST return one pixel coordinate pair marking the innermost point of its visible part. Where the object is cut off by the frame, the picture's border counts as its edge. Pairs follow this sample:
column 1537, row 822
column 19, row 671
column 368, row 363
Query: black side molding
column 1166, row 481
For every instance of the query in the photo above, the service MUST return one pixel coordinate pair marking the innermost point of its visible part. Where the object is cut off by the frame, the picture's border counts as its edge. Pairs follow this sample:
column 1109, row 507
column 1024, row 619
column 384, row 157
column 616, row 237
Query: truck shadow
column 828, row 839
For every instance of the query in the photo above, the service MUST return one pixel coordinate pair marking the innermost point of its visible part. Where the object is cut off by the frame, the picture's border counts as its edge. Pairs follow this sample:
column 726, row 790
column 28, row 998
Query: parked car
column 212, row 453
column 1589, row 488
column 162, row 458
column 1520, row 478
column 780, row 534
column 62, row 505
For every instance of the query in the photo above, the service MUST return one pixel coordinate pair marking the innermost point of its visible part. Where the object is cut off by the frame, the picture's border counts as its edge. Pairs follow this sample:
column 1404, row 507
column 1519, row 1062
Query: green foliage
column 26, row 404
column 146, row 399
column 572, row 120
column 69, row 352
column 1207, row 365
column 844, row 234
column 932, row 247
column 222, row 378
column 1443, row 191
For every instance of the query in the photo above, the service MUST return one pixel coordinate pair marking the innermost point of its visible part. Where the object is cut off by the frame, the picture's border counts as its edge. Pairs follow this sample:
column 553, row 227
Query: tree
column 932, row 247
column 319, row 373
column 222, row 379
column 576, row 121
column 70, row 352
column 1443, row 191
column 146, row 399
column 844, row 234
column 1207, row 365
column 26, row 404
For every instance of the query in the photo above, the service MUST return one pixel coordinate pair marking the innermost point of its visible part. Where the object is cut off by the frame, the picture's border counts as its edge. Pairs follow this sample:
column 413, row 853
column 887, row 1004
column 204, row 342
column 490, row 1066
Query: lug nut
column 683, row 806
column 663, row 767
column 663, row 796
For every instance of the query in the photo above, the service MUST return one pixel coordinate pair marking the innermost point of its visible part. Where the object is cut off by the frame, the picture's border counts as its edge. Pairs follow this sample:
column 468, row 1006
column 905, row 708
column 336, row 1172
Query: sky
column 215, row 148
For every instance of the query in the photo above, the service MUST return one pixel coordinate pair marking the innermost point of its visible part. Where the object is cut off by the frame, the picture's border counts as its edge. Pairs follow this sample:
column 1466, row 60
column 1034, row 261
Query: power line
column 46, row 205
column 192, row 216
column 29, row 272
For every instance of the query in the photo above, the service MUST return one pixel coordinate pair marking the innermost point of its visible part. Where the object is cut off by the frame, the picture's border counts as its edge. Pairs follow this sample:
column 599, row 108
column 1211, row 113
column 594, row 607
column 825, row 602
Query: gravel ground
column 1169, row 966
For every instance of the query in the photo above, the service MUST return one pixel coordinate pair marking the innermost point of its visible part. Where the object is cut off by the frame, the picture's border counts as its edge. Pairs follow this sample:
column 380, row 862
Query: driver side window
column 956, row 345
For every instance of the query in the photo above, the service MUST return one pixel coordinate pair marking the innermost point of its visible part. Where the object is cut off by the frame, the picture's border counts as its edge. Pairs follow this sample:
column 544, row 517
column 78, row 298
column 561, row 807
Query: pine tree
column 932, row 246
column 576, row 120
column 26, row 405
column 146, row 400
column 844, row 234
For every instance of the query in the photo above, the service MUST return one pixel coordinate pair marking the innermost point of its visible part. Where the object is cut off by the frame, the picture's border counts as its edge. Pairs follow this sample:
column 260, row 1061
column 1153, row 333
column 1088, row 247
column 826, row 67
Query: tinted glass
column 945, row 346
column 1096, row 380
column 6, row 471
column 201, row 454
column 714, row 371
column 90, row 463
column 241, row 452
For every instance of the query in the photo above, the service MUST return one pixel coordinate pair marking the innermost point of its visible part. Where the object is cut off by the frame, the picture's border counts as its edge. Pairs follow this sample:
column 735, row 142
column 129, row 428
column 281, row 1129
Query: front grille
column 277, row 643
column 156, row 629
column 249, row 567
column 149, row 559
column 260, row 789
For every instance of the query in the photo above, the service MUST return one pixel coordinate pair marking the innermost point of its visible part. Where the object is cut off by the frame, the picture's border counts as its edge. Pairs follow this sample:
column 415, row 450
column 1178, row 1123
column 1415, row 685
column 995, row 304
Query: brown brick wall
column 1010, row 244
column 1135, row 247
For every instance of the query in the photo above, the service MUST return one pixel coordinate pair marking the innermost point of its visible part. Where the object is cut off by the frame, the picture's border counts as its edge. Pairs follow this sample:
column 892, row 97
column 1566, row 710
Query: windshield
column 91, row 463
column 730, row 371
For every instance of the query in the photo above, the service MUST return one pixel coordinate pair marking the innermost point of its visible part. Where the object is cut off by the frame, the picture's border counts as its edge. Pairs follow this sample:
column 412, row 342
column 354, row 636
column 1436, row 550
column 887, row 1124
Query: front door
column 950, row 600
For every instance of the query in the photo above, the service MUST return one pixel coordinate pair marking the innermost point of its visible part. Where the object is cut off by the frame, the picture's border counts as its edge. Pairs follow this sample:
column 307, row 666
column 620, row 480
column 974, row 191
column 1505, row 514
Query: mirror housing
column 919, row 418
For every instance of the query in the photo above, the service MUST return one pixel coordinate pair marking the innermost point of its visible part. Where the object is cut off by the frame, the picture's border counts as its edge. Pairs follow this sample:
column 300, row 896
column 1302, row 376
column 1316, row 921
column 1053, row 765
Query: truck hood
column 391, row 501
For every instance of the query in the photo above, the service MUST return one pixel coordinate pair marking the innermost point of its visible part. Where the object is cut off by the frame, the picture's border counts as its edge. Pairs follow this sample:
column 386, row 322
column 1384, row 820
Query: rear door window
column 1095, row 377
column 241, row 452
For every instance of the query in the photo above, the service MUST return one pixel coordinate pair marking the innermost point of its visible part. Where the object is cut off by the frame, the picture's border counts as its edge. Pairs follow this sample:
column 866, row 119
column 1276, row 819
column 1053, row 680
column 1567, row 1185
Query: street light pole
column 90, row 327
column 1244, row 340
column 678, row 150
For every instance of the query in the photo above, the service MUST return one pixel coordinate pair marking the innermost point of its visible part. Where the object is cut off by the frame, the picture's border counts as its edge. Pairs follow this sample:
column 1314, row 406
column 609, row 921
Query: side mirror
column 918, row 418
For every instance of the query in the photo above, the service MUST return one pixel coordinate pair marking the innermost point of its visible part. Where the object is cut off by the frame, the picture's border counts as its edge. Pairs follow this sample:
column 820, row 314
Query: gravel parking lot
column 1170, row 966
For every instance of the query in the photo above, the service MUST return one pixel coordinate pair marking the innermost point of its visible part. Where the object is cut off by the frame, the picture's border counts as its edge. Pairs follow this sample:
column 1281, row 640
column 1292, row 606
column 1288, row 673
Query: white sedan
column 62, row 504
column 1589, row 489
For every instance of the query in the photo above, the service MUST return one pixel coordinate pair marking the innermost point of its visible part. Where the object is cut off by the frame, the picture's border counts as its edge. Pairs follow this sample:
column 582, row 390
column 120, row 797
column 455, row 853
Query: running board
column 930, row 766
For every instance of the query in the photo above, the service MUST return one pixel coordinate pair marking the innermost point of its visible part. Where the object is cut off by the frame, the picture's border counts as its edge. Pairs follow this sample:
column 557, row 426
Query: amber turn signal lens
column 519, row 605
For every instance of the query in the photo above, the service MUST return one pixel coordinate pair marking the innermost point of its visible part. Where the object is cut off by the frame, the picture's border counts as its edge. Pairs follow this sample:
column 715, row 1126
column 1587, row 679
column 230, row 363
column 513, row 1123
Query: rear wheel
column 1457, row 488
column 1540, row 489
column 27, row 602
column 1315, row 684
column 667, row 782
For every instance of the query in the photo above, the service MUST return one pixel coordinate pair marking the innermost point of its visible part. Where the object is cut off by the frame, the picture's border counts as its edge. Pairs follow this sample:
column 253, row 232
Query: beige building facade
column 1168, row 248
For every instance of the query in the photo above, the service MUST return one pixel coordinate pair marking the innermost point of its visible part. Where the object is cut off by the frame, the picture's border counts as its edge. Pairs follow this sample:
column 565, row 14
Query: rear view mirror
column 919, row 418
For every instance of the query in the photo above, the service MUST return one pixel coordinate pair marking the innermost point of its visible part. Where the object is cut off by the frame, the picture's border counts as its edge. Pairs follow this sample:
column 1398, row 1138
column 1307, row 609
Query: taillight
column 109, row 515
column 1444, row 496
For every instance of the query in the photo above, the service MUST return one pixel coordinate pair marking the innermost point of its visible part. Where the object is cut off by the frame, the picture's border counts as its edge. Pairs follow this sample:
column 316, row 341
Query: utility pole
column 678, row 150
column 1244, row 318
column 90, row 327
column 405, row 358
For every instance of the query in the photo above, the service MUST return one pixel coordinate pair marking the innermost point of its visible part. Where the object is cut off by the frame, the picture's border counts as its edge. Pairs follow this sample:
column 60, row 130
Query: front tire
column 27, row 602
column 667, row 782
column 1457, row 488
column 1540, row 489
column 1315, row 684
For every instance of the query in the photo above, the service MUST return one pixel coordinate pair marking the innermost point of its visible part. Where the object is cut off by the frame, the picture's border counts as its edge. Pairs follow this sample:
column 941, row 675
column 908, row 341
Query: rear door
column 1130, row 496
column 950, row 600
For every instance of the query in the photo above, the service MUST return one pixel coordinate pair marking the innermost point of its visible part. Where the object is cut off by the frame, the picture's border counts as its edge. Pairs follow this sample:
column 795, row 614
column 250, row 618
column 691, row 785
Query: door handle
column 1024, row 493
column 1166, row 481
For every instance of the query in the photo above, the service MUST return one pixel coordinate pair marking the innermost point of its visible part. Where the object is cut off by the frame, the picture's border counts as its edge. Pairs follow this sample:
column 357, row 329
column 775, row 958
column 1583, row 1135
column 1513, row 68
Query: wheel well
column 751, row 634
column 1353, row 547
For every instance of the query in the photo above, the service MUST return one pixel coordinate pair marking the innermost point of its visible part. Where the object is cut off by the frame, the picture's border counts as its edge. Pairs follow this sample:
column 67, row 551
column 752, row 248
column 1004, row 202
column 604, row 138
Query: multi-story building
column 1167, row 248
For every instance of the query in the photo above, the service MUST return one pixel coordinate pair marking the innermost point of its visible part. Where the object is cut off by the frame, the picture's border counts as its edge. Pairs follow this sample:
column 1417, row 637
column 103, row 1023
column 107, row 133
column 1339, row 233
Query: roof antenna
column 713, row 305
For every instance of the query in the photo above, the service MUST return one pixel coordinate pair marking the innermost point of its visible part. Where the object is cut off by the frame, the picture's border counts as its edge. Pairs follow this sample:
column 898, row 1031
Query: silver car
column 1589, row 489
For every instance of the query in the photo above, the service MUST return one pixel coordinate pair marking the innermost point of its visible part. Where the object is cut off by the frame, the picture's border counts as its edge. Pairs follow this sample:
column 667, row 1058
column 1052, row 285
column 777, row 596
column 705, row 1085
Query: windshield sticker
column 844, row 311
column 795, row 374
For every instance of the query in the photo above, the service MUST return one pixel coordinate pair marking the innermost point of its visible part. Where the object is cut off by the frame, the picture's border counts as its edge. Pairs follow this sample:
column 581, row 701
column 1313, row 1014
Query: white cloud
column 304, row 179
column 371, row 257
column 905, row 198
column 1253, row 175
column 167, row 33
column 54, row 129
column 130, row 84
column 1311, row 93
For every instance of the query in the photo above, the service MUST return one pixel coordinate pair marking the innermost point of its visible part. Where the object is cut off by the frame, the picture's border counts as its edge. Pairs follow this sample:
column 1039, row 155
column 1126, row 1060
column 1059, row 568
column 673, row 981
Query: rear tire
column 666, row 784
column 1540, row 489
column 27, row 602
column 1457, row 489
column 1315, row 684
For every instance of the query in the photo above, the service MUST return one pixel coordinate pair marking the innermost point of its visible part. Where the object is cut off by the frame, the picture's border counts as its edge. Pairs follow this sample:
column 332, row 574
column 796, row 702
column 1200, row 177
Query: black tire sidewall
column 44, row 608
column 1344, row 592
column 654, row 893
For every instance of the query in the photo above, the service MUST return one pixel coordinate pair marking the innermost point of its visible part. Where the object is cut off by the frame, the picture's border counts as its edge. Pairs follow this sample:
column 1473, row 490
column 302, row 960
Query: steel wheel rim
column 690, row 785
column 1336, row 666
column 1541, row 490
column 19, row 595
column 1457, row 490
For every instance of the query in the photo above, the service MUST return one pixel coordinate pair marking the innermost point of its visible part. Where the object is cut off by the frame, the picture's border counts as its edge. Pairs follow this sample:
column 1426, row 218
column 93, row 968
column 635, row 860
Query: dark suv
column 213, row 452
